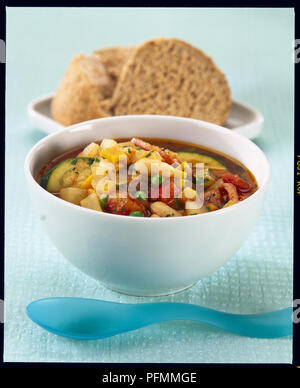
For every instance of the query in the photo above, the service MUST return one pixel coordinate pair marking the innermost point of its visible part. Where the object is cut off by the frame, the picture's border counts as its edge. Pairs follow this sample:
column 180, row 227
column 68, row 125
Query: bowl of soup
column 147, row 205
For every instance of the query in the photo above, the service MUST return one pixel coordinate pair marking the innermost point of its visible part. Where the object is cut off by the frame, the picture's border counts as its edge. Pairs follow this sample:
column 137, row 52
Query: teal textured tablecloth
column 254, row 48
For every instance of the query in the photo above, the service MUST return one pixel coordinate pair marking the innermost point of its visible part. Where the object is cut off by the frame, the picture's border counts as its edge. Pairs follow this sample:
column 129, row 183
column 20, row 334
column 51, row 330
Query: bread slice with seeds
column 171, row 77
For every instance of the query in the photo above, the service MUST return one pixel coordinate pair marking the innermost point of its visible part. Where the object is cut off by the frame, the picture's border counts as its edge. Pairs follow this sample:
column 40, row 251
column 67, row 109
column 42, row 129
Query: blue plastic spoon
column 90, row 319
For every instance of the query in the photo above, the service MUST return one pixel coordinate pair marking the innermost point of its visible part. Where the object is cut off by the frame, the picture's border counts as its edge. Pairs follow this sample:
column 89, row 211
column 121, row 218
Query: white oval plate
column 242, row 118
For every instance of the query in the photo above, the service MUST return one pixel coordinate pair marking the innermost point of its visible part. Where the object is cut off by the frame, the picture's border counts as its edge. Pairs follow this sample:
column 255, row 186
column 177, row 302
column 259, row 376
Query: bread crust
column 83, row 89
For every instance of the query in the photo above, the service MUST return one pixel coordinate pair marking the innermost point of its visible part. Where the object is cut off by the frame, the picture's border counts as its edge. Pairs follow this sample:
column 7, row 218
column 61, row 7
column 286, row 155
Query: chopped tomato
column 124, row 206
column 164, row 193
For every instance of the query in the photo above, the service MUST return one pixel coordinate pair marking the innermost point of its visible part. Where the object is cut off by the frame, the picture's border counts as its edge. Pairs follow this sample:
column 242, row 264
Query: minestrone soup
column 147, row 178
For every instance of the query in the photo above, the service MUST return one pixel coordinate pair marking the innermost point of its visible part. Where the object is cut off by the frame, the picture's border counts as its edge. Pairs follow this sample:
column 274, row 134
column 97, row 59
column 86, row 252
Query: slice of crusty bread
column 171, row 77
column 83, row 91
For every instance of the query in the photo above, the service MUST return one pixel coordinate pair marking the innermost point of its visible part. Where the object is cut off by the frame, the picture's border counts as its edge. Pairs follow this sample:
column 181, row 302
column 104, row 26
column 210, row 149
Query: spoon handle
column 266, row 325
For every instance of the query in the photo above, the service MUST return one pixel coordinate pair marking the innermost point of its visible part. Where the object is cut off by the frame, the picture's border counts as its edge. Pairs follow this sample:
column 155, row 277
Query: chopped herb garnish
column 90, row 161
column 97, row 160
column 123, row 210
column 206, row 180
column 208, row 198
column 129, row 150
column 168, row 215
column 117, row 186
column 74, row 161
column 149, row 154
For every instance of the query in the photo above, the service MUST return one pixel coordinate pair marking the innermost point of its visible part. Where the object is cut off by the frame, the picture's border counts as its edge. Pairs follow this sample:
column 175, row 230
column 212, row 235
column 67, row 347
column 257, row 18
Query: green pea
column 137, row 213
column 141, row 195
column 103, row 200
column 157, row 180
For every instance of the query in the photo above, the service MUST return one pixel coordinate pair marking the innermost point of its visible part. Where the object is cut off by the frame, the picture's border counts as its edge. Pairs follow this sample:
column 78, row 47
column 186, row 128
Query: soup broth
column 147, row 178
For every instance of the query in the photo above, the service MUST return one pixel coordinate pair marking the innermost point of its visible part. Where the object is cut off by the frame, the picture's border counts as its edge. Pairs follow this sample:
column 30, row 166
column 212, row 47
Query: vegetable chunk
column 73, row 194
column 138, row 179
column 91, row 202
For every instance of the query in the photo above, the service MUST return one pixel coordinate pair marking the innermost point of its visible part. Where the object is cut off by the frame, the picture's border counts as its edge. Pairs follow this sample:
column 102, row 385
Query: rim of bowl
column 214, row 127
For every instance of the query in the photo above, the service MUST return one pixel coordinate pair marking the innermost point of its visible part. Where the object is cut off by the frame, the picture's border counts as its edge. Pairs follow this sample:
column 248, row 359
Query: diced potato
column 154, row 166
column 73, row 194
column 91, row 151
column 108, row 143
column 91, row 202
column 189, row 194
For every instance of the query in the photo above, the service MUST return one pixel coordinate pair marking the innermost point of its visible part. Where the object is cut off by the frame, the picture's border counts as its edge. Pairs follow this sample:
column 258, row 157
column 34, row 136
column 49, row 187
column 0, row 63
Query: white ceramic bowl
column 147, row 256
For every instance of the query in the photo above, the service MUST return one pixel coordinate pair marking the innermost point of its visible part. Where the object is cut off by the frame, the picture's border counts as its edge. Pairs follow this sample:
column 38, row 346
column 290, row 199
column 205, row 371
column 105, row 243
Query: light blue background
column 254, row 48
